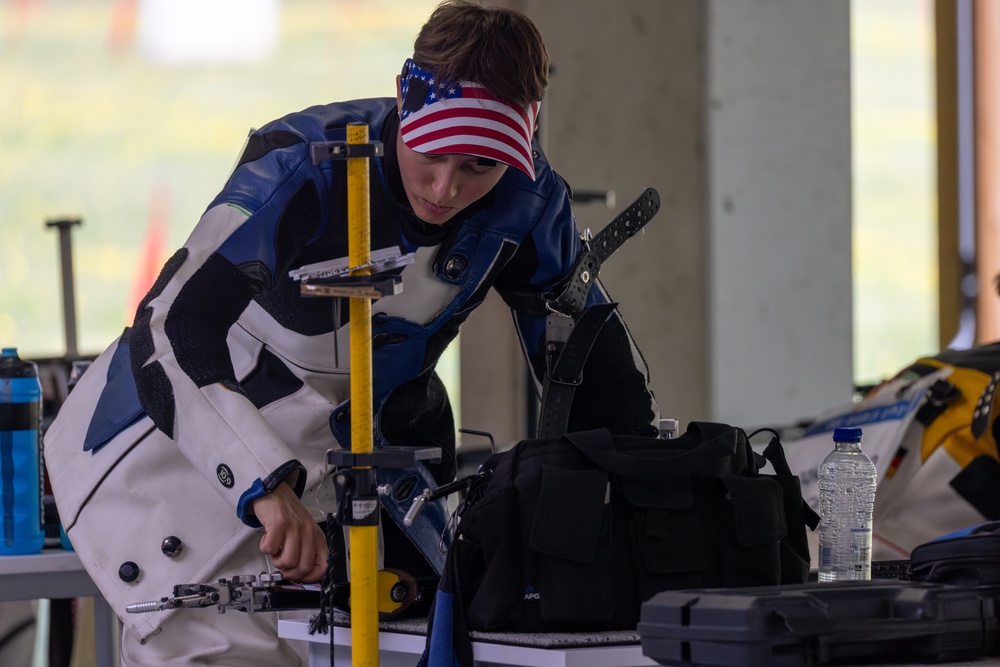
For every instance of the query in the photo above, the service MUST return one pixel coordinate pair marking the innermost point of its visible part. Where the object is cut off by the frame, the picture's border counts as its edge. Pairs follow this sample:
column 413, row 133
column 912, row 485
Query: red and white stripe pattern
column 464, row 118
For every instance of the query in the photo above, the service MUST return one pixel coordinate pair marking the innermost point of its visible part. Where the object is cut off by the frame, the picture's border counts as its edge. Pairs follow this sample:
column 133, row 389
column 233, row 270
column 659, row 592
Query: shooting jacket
column 228, row 382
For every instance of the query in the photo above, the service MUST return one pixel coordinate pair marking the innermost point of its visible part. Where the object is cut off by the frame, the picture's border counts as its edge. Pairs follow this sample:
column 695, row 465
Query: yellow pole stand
column 363, row 539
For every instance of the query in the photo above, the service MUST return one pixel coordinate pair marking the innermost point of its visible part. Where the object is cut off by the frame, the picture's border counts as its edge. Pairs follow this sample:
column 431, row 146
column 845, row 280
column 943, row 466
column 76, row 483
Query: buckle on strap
column 570, row 297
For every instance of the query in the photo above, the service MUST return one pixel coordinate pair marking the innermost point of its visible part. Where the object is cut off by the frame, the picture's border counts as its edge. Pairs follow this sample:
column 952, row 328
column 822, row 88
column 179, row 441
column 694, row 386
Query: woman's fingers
column 292, row 539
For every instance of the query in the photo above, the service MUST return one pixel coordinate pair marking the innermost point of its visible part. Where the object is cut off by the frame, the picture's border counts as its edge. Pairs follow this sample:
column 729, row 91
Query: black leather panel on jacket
column 156, row 396
column 259, row 145
column 270, row 381
column 197, row 326
column 152, row 386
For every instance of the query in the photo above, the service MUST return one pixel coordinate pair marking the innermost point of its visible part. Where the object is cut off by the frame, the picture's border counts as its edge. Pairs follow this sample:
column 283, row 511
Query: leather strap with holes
column 571, row 296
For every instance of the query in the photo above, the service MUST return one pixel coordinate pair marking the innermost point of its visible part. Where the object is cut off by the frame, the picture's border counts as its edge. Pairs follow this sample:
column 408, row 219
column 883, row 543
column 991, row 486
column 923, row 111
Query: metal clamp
column 357, row 496
column 321, row 151
column 570, row 297
column 372, row 287
column 354, row 479
column 444, row 490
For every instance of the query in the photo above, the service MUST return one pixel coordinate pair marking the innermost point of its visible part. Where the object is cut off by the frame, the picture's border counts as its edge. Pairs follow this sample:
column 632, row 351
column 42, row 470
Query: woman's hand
column 292, row 539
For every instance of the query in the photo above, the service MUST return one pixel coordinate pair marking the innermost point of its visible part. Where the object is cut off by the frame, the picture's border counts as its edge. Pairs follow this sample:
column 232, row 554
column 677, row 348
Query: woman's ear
column 399, row 94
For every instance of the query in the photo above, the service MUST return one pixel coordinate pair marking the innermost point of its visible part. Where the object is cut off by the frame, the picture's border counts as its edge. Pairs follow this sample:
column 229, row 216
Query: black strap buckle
column 321, row 151
column 570, row 296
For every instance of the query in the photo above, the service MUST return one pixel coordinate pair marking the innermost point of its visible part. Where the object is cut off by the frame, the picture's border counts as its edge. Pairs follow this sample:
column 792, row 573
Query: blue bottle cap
column 847, row 434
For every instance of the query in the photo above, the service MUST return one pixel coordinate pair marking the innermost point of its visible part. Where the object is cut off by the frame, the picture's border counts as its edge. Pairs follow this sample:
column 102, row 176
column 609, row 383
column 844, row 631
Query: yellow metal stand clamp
column 354, row 479
column 363, row 538
column 357, row 498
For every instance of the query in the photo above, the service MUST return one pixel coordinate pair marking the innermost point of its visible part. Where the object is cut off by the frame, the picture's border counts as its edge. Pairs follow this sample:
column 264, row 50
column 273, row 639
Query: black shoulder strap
column 567, row 354
column 565, row 370
column 775, row 453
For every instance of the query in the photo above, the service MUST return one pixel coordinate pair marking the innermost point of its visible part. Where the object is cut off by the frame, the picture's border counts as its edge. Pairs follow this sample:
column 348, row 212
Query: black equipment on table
column 820, row 624
column 941, row 605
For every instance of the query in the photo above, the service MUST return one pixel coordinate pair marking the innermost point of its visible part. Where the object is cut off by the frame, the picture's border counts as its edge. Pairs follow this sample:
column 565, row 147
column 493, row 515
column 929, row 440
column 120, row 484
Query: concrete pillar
column 779, row 213
column 738, row 113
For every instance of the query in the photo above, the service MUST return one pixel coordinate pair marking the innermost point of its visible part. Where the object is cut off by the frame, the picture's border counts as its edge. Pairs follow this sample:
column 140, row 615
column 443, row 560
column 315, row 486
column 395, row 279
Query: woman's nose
column 445, row 184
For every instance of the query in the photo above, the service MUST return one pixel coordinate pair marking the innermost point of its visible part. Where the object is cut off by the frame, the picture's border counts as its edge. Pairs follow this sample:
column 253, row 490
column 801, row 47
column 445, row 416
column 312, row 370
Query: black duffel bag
column 969, row 557
column 574, row 533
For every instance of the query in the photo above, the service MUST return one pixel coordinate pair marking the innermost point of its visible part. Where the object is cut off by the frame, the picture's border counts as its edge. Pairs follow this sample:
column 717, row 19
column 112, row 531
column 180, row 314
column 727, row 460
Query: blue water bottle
column 21, row 528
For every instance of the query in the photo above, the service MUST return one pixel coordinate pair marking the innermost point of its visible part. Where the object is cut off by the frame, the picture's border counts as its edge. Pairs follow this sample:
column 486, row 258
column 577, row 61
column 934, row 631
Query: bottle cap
column 847, row 434
column 12, row 366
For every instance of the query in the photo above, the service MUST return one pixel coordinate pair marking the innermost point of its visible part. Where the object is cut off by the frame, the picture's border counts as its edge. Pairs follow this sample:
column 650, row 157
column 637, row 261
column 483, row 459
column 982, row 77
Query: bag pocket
column 753, row 527
column 667, row 527
column 570, row 539
column 494, row 601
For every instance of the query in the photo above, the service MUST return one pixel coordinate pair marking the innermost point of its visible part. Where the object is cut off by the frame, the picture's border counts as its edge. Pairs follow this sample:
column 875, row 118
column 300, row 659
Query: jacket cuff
column 293, row 472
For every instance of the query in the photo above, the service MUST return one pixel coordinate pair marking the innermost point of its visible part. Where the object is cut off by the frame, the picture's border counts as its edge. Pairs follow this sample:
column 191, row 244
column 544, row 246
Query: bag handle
column 713, row 446
column 775, row 453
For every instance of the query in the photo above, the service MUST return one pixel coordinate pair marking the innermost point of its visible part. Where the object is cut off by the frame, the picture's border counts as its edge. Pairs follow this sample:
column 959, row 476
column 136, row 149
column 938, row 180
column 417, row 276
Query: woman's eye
column 482, row 165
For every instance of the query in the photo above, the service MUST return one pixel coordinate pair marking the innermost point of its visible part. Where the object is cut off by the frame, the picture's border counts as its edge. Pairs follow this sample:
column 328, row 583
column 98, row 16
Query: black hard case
column 819, row 624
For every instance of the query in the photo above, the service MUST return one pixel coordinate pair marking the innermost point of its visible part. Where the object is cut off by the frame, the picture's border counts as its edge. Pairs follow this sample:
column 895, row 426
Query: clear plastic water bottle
column 846, row 499
column 22, row 530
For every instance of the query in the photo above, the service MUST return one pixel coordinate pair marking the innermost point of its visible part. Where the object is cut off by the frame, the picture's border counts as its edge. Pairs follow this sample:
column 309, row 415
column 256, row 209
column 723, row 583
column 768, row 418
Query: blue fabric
column 118, row 407
column 448, row 641
column 260, row 488
column 244, row 507
column 429, row 528
column 441, row 637
column 987, row 527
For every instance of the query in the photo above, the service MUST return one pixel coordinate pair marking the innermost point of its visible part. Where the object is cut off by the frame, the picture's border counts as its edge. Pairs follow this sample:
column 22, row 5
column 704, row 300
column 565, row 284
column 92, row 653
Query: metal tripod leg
column 69, row 296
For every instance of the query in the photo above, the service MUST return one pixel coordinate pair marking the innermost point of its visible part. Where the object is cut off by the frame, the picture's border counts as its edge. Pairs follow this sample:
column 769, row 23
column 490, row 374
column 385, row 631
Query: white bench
column 399, row 649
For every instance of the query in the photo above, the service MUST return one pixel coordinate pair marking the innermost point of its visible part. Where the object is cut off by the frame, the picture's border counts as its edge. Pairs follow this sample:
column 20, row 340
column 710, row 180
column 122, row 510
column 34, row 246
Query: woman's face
column 439, row 186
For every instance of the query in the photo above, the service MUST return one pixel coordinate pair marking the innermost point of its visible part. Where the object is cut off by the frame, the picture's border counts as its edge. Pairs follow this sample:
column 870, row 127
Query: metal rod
column 364, row 539
column 69, row 295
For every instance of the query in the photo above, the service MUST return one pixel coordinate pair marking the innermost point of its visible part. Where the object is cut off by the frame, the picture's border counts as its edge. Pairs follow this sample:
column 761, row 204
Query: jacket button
column 171, row 546
column 128, row 572
column 455, row 265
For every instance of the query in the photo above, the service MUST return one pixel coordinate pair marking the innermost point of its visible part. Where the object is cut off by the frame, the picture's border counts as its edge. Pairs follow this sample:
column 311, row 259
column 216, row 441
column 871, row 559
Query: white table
column 397, row 649
column 402, row 650
column 57, row 574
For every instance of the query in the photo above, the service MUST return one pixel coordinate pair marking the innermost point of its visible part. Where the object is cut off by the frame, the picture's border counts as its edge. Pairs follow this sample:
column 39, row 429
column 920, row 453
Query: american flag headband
column 463, row 117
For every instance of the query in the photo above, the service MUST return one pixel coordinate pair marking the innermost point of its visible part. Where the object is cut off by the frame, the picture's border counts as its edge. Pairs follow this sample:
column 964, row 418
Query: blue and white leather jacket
column 239, row 370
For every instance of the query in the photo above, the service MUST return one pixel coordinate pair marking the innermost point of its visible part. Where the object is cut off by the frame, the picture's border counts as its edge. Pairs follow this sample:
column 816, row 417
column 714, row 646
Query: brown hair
column 496, row 47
